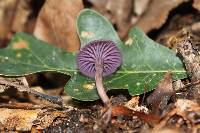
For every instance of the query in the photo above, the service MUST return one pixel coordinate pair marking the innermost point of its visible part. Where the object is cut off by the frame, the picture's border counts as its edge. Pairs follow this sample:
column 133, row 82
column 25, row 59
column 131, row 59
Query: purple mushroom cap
column 105, row 51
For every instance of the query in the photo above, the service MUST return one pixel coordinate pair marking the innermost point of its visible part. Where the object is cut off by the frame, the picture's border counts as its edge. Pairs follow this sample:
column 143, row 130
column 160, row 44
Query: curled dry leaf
column 56, row 23
column 160, row 96
column 186, row 114
column 157, row 13
column 129, row 113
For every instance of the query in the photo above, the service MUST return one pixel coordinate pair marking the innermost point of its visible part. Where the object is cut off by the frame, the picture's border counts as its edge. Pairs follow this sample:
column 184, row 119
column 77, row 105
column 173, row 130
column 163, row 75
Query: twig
column 21, row 88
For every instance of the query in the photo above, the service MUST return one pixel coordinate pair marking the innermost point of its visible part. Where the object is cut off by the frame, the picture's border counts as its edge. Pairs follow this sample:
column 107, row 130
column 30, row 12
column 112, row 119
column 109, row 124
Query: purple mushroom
column 98, row 59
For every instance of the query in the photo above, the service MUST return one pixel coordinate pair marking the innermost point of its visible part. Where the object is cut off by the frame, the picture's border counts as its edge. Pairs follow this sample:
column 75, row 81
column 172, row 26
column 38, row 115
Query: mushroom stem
column 99, row 82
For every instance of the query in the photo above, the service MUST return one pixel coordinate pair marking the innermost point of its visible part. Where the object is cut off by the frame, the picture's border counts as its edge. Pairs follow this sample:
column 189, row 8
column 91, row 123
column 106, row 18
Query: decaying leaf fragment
column 185, row 113
column 47, row 117
column 17, row 119
column 56, row 23
column 186, row 50
column 26, row 119
column 159, row 98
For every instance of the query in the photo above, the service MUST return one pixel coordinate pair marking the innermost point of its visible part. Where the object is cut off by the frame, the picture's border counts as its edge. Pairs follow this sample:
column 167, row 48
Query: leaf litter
column 174, row 116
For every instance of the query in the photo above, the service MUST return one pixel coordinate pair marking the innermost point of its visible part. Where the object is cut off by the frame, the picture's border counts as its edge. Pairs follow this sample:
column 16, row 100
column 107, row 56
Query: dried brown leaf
column 47, row 116
column 23, row 11
column 121, row 111
column 56, row 23
column 17, row 119
column 7, row 12
column 160, row 96
column 196, row 4
column 124, row 111
column 25, row 119
column 133, row 102
column 140, row 6
column 187, row 114
column 157, row 13
column 119, row 12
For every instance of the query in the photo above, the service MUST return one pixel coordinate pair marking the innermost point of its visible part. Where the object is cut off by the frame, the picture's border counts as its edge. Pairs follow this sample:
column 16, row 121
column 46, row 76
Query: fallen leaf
column 164, row 130
column 157, row 13
column 26, row 119
column 124, row 111
column 196, row 4
column 119, row 12
column 160, row 96
column 185, row 113
column 47, row 116
column 56, row 23
column 21, row 17
column 140, row 6
column 133, row 102
column 144, row 72
column 17, row 119
column 184, row 105
column 121, row 111
column 5, row 17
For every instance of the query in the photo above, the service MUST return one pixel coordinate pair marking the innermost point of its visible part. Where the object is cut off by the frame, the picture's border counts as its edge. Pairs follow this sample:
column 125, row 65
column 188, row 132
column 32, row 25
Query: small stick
column 21, row 88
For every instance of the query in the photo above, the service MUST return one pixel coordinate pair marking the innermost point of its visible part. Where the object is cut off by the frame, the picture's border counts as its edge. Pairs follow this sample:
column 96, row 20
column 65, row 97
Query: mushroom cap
column 105, row 51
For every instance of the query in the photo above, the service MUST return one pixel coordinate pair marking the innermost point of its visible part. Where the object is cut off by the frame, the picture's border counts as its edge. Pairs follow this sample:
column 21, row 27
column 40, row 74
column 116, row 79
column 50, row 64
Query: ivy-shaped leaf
column 26, row 55
column 144, row 61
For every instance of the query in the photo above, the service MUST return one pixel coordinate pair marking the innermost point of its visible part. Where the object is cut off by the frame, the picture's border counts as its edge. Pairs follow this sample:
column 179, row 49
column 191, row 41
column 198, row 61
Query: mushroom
column 99, row 59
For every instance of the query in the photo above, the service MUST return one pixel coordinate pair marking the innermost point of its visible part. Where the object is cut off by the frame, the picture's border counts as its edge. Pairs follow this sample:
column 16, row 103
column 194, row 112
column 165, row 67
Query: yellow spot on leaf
column 89, row 86
column 21, row 44
column 18, row 55
column 137, row 83
column 75, row 89
column 87, row 34
column 129, row 42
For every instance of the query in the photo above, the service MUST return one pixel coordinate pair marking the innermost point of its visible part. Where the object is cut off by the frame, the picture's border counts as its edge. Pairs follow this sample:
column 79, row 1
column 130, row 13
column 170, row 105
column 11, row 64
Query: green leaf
column 26, row 55
column 144, row 64
column 144, row 61
column 93, row 26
